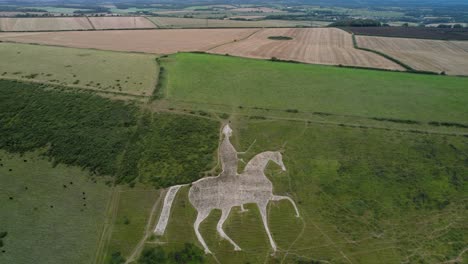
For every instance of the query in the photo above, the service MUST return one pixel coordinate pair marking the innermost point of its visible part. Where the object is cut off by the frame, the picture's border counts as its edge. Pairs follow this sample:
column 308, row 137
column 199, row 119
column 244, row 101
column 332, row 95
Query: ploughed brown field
column 412, row 32
column 121, row 22
column 149, row 41
column 427, row 55
column 329, row 46
column 44, row 24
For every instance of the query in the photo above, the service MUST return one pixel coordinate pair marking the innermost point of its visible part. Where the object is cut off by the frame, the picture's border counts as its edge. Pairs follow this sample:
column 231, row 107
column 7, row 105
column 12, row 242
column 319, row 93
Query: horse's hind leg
column 202, row 214
column 263, row 213
column 219, row 227
column 279, row 198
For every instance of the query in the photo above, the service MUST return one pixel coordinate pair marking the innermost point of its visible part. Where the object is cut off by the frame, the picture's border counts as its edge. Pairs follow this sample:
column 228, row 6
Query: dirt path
column 106, row 234
column 148, row 231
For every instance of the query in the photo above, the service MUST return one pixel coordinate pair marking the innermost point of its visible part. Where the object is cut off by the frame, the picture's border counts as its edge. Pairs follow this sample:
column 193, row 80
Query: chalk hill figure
column 229, row 189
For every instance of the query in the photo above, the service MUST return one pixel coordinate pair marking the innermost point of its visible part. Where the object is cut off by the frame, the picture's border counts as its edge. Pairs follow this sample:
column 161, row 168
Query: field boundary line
column 152, row 22
column 71, row 87
column 388, row 57
column 236, row 40
column 353, row 125
column 68, row 47
column 91, row 23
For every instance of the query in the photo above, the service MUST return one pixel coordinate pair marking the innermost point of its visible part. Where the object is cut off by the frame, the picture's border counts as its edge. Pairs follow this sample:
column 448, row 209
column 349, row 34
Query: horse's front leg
column 263, row 213
column 202, row 214
column 279, row 198
column 219, row 227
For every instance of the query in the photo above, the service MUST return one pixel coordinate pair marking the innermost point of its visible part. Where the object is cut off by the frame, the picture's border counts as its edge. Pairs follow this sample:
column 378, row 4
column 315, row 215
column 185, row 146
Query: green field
column 219, row 80
column 107, row 71
column 55, row 214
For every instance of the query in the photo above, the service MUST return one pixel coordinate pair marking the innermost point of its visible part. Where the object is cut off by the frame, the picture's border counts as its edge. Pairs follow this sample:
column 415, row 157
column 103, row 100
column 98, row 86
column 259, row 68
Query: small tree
column 153, row 255
column 117, row 258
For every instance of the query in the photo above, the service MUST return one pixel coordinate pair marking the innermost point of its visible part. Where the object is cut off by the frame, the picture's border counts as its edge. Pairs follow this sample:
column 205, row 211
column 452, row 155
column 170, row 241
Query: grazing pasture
column 315, row 45
column 44, row 24
column 412, row 32
column 105, row 71
column 148, row 41
column 202, row 79
column 177, row 22
column 57, row 213
column 121, row 22
column 426, row 55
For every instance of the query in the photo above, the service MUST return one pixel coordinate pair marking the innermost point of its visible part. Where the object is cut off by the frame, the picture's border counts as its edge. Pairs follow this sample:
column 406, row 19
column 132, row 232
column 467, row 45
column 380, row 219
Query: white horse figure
column 226, row 191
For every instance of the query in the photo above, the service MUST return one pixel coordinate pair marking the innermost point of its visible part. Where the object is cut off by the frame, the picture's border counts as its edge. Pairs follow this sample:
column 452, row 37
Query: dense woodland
column 105, row 136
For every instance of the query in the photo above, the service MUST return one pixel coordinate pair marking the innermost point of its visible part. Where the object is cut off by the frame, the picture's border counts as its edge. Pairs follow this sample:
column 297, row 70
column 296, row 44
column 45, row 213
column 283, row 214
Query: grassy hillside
column 212, row 80
column 53, row 214
column 375, row 182
column 365, row 195
column 100, row 70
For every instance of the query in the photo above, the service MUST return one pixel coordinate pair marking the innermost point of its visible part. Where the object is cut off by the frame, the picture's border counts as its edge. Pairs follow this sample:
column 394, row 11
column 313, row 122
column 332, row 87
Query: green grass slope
column 212, row 80
column 53, row 214
column 366, row 196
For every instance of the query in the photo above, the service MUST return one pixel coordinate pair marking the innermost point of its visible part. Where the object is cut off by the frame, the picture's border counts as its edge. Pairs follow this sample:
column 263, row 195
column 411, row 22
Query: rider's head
column 227, row 131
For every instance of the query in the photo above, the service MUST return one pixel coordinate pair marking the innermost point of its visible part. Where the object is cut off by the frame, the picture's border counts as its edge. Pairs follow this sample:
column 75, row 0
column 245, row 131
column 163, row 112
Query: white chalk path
column 166, row 211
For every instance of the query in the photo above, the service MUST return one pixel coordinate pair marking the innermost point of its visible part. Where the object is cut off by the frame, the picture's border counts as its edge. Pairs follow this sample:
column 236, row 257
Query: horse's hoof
column 207, row 251
column 237, row 248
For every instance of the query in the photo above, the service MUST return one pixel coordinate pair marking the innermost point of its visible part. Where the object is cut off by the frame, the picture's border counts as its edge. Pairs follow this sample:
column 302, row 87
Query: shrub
column 280, row 38
column 153, row 255
column 117, row 258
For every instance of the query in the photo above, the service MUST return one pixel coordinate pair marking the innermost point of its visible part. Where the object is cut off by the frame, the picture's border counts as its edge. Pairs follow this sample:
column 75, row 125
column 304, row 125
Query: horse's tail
column 166, row 211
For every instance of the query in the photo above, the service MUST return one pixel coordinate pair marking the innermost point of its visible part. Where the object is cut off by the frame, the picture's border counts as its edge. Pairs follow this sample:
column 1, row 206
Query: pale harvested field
column 310, row 45
column 177, row 22
column 426, row 55
column 150, row 41
column 44, row 24
column 255, row 9
column 120, row 22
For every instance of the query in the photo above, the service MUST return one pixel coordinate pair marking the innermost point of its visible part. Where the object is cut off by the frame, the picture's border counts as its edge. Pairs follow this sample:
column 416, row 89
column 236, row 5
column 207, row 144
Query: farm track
column 106, row 233
column 269, row 118
column 148, row 230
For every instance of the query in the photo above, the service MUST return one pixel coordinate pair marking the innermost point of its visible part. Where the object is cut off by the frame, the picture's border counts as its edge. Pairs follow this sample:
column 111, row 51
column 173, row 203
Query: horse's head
column 277, row 158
